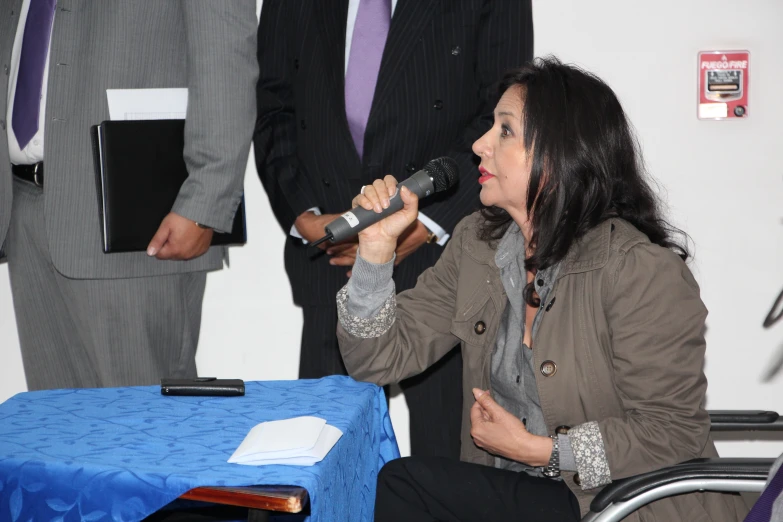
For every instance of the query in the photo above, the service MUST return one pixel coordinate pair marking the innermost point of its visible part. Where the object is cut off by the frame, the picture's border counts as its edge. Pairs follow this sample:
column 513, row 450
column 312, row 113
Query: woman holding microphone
column 580, row 324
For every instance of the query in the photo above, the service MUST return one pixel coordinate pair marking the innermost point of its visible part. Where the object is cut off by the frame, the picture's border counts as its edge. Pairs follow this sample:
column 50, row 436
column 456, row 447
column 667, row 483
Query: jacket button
column 480, row 327
column 438, row 105
column 2, row 124
column 562, row 430
column 302, row 124
column 456, row 50
column 326, row 182
column 548, row 368
column 577, row 480
column 410, row 167
column 296, row 63
column 5, row 69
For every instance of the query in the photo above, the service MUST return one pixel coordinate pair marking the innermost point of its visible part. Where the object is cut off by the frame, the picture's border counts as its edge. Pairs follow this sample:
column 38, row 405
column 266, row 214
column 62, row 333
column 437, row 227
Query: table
column 123, row 453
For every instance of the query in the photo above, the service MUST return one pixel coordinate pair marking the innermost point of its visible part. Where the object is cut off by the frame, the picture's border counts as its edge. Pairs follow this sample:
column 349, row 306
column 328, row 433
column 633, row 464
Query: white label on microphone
column 351, row 219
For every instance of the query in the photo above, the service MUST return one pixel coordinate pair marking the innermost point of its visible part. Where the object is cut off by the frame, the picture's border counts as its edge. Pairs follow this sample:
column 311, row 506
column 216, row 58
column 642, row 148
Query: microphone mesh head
column 444, row 173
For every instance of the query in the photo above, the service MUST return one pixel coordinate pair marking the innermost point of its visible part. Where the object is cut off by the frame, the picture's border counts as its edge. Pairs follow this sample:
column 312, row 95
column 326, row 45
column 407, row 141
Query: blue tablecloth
column 123, row 453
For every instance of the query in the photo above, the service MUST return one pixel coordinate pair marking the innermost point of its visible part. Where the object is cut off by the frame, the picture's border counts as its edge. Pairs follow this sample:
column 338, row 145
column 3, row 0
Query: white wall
column 722, row 181
column 723, row 178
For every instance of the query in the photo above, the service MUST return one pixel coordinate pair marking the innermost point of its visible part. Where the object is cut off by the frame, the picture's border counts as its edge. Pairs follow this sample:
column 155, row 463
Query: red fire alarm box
column 723, row 84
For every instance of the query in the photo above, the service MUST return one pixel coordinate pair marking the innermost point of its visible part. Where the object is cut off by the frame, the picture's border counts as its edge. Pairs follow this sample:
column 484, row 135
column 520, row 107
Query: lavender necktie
column 369, row 39
column 29, row 83
column 762, row 509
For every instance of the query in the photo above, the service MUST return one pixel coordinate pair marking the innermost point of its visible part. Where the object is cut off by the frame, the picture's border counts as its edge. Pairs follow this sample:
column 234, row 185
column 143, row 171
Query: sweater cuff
column 590, row 455
column 370, row 327
column 567, row 461
column 370, row 282
column 367, row 305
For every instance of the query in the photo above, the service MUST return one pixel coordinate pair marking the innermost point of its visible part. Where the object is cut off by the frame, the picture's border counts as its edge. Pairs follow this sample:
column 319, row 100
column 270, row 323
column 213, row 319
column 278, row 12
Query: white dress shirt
column 34, row 151
column 353, row 10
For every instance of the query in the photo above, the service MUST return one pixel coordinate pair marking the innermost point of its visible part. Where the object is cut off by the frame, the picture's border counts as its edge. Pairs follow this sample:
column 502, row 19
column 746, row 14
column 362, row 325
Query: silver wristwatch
column 553, row 468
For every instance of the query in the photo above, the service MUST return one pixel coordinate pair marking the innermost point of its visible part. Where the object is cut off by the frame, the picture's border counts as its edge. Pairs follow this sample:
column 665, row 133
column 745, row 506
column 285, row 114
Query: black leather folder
column 139, row 170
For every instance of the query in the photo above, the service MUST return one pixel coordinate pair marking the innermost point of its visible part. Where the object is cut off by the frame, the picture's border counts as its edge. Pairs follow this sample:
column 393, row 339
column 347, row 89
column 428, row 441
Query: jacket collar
column 590, row 252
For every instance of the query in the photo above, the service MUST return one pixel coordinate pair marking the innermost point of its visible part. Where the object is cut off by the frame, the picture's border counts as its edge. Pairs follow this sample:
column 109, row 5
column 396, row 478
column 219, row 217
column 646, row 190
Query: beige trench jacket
column 624, row 336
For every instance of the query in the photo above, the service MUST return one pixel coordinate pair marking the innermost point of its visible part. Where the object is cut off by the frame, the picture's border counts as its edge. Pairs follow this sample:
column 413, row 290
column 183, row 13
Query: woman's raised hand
column 378, row 242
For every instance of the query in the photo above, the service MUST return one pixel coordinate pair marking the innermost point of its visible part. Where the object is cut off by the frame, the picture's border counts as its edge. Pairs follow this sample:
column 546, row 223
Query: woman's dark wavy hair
column 586, row 165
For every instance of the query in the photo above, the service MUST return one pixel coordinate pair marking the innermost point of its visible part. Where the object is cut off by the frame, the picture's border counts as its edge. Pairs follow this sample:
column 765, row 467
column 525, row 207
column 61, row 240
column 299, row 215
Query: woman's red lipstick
column 485, row 175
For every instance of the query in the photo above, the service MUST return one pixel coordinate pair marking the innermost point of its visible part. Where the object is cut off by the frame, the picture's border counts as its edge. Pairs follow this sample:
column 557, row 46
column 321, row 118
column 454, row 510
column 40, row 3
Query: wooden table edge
column 284, row 499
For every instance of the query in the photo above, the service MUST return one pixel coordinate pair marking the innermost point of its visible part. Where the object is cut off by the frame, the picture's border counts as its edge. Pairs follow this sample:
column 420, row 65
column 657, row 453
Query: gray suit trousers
column 95, row 332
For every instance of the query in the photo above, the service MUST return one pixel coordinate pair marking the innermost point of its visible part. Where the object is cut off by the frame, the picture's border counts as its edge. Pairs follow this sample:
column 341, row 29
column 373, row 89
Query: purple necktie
column 35, row 46
column 369, row 39
column 762, row 509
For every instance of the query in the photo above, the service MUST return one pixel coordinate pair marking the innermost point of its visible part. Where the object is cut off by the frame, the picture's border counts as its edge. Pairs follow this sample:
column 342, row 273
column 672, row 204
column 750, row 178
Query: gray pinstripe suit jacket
column 206, row 45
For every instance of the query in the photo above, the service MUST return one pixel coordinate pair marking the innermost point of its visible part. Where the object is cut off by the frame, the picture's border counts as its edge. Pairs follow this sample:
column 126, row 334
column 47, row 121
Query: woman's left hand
column 501, row 433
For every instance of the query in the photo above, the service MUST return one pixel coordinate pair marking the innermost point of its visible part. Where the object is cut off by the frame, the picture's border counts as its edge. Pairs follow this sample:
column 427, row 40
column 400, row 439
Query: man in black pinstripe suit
column 431, row 94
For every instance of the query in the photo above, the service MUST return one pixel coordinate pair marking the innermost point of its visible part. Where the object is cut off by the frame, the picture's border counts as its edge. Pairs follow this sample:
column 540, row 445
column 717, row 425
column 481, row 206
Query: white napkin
column 301, row 441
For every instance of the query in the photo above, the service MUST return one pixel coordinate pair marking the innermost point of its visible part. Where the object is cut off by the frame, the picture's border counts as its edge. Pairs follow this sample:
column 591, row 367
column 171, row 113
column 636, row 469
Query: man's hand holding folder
column 140, row 169
column 179, row 238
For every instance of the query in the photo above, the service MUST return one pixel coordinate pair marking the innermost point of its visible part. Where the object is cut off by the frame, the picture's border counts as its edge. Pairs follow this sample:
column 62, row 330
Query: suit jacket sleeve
column 505, row 41
column 222, row 71
column 274, row 140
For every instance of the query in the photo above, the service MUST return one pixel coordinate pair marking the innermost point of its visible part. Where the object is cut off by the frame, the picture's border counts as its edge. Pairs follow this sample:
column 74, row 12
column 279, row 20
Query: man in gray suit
column 86, row 318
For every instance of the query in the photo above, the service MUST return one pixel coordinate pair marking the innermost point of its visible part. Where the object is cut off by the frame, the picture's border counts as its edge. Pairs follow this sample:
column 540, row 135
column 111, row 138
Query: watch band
column 553, row 468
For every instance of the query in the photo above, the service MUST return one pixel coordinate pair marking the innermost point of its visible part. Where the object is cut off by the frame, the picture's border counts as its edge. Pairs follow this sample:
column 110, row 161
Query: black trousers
column 419, row 489
column 434, row 397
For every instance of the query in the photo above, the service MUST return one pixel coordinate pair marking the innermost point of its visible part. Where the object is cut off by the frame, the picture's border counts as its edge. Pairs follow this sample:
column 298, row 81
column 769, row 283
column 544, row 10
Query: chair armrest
column 745, row 420
column 730, row 468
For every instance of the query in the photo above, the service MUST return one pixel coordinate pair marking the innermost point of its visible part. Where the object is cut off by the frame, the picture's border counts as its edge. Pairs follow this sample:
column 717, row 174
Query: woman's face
column 505, row 163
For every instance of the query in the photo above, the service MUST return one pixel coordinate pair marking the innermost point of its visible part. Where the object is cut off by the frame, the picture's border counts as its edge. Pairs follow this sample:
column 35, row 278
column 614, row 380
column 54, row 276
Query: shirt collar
column 512, row 246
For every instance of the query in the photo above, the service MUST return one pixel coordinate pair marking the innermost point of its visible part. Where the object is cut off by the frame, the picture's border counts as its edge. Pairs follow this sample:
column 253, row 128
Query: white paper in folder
column 147, row 104
column 300, row 441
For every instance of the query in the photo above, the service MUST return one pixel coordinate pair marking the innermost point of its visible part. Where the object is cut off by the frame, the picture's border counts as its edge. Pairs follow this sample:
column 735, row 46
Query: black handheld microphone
column 438, row 175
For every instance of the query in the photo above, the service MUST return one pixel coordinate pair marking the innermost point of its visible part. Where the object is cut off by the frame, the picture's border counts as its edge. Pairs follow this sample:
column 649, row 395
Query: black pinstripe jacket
column 434, row 97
